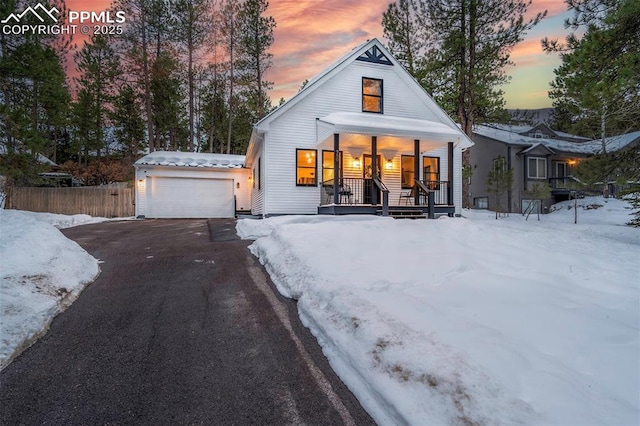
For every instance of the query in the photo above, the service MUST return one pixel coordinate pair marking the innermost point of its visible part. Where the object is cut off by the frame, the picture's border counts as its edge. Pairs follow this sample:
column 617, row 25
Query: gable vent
column 375, row 56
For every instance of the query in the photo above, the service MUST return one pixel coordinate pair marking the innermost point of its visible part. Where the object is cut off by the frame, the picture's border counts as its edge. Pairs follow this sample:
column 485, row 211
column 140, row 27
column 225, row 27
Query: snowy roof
column 192, row 159
column 385, row 125
column 614, row 143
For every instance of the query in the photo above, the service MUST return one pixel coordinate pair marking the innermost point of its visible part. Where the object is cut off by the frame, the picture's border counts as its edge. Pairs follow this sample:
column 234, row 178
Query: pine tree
column 499, row 182
column 99, row 69
column 596, row 91
column 191, row 26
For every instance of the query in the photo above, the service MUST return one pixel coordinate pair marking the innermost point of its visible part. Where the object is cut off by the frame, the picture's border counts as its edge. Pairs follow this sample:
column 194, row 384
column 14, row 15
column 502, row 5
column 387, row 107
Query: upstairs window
column 306, row 166
column 371, row 95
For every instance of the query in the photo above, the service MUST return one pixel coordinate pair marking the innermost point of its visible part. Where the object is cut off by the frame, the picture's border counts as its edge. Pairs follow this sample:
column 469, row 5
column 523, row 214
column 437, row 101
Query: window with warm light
column 431, row 168
column 306, row 166
column 372, row 95
column 408, row 174
column 328, row 166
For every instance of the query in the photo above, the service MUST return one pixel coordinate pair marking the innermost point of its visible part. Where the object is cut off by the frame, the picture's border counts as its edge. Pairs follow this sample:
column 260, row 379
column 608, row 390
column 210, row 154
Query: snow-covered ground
column 475, row 320
column 41, row 273
column 428, row 322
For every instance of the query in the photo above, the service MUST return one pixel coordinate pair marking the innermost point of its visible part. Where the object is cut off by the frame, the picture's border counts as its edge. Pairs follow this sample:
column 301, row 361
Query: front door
column 371, row 193
column 561, row 174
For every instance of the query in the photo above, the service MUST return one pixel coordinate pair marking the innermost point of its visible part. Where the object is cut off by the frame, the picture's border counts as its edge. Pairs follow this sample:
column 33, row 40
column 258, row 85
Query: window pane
column 306, row 167
column 372, row 87
column 408, row 174
column 430, row 166
column 327, row 165
column 532, row 167
column 542, row 168
column 371, row 104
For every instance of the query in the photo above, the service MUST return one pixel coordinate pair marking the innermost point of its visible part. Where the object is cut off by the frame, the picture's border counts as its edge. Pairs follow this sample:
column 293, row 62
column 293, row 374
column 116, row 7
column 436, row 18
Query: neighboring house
column 191, row 185
column 361, row 137
column 537, row 155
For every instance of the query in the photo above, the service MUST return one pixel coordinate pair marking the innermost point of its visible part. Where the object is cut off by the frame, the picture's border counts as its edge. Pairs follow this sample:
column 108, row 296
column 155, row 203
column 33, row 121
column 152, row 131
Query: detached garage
column 191, row 185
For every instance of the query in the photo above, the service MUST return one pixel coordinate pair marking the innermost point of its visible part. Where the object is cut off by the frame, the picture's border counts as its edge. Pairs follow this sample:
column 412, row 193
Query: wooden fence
column 94, row 201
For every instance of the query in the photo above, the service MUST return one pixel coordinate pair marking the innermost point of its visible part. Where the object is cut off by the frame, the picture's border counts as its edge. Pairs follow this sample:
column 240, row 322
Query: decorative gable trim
column 374, row 55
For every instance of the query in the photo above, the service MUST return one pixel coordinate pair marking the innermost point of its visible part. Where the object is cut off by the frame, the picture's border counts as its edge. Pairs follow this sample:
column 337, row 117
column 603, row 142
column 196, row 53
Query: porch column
column 374, row 169
column 450, row 173
column 416, row 167
column 336, row 168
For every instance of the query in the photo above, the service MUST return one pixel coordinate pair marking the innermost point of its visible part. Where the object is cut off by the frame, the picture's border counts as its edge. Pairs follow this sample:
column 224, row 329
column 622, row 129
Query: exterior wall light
column 389, row 165
column 356, row 163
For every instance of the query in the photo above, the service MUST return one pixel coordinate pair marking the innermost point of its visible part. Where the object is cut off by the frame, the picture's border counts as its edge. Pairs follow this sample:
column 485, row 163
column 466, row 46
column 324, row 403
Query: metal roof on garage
column 192, row 159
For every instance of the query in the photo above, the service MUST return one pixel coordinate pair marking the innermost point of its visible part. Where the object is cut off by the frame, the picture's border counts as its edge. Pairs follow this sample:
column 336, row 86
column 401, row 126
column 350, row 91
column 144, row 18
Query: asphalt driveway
column 183, row 326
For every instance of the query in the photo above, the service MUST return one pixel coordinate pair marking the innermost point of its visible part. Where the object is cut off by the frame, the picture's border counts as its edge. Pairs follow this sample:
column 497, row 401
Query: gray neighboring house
column 536, row 154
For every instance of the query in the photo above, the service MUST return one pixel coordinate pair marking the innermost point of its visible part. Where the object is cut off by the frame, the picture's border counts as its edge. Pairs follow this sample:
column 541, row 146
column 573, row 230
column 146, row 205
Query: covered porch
column 386, row 165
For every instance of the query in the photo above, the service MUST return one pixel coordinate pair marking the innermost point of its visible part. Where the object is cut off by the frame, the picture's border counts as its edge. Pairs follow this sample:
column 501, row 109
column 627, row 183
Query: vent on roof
column 375, row 56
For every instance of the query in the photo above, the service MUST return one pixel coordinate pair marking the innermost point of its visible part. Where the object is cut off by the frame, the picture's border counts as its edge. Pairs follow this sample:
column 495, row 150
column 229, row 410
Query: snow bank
column 42, row 272
column 470, row 320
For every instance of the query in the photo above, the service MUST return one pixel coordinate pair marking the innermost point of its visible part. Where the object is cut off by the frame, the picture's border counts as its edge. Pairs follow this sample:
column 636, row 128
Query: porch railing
column 567, row 182
column 441, row 191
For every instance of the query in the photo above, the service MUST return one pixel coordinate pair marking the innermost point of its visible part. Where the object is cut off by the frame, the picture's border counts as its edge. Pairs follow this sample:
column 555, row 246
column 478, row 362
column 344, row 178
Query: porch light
column 389, row 165
column 571, row 162
column 356, row 163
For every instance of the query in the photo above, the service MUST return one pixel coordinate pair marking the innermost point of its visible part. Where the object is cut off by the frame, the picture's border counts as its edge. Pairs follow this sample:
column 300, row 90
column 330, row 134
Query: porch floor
column 342, row 209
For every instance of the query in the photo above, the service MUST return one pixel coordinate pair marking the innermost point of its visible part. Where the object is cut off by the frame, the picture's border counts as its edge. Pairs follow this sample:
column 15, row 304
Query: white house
column 366, row 117
column 191, row 185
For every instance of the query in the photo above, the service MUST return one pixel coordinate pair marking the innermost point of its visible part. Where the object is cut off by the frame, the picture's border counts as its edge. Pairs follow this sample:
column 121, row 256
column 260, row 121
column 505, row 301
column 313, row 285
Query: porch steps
column 404, row 214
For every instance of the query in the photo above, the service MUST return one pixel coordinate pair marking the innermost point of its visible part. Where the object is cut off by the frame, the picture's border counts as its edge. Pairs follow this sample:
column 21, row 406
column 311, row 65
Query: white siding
column 238, row 179
column 297, row 129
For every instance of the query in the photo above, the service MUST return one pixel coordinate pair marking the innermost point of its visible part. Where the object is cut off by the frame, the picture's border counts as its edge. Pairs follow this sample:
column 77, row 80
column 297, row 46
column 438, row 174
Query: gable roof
column 374, row 50
column 614, row 143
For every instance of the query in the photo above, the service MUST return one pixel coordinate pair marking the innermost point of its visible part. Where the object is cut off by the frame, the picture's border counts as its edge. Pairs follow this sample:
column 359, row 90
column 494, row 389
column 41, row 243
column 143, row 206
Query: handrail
column 385, row 195
column 422, row 187
column 381, row 186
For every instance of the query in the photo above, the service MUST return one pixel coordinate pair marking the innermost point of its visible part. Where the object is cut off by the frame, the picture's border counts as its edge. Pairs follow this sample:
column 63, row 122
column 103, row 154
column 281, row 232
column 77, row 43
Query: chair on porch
column 345, row 192
column 408, row 195
column 328, row 189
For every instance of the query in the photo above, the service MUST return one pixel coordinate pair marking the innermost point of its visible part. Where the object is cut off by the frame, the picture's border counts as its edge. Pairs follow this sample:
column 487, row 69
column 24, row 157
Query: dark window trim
column 381, row 97
column 315, row 167
column 260, row 173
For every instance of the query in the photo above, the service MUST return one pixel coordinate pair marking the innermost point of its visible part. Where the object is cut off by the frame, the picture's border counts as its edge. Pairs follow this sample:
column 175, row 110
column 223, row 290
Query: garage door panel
column 174, row 197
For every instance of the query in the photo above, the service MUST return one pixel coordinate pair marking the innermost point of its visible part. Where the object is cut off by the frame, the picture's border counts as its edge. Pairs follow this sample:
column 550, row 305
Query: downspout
column 450, row 173
column 264, row 187
column 509, row 195
column 416, row 167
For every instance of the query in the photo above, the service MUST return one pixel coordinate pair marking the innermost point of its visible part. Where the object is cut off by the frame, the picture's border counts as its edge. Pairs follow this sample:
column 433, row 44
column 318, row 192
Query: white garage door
column 174, row 197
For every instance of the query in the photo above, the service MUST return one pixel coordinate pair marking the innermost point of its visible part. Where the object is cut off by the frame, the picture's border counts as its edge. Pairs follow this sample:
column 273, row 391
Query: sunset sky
column 312, row 34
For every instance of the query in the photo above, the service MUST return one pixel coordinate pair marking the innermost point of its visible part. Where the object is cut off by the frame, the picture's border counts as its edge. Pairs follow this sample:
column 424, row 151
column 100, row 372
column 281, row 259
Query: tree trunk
column 190, row 77
column 147, row 84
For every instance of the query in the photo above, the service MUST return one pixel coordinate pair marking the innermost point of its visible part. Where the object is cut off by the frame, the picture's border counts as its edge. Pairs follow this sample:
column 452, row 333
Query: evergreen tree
column 168, row 109
column 191, row 26
column 128, row 121
column 596, row 91
column 406, row 34
column 230, row 24
column 461, row 57
column 499, row 182
column 256, row 37
column 99, row 69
